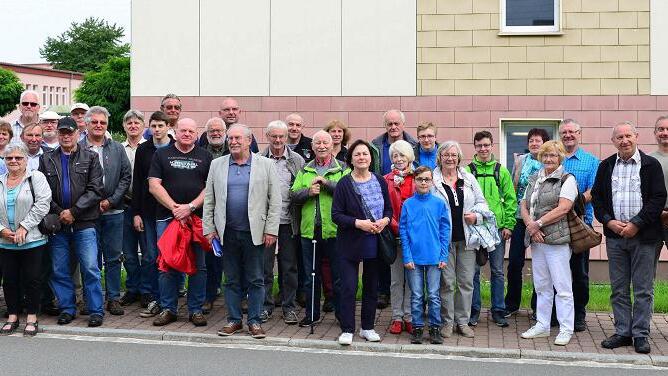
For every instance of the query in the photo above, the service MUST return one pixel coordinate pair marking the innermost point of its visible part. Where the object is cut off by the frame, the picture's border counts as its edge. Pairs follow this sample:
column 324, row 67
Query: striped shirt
column 626, row 195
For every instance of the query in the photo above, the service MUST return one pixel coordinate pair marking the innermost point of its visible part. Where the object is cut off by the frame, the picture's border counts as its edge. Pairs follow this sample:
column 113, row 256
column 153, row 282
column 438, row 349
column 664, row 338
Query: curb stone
column 644, row 360
column 470, row 352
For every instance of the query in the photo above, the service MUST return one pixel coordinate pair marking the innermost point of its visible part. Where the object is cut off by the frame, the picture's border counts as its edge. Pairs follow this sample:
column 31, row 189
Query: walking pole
column 313, row 284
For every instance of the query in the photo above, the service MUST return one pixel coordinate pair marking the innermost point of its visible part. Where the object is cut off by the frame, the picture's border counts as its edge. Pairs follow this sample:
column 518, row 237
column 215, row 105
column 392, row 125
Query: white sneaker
column 535, row 332
column 370, row 335
column 563, row 338
column 346, row 339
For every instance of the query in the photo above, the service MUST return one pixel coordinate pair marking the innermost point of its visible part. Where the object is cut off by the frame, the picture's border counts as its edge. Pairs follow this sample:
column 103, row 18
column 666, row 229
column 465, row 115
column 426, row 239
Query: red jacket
column 175, row 245
column 398, row 194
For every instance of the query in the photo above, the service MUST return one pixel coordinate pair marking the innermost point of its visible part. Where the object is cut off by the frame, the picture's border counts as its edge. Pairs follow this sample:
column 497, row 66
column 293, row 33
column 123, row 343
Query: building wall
column 277, row 47
column 604, row 50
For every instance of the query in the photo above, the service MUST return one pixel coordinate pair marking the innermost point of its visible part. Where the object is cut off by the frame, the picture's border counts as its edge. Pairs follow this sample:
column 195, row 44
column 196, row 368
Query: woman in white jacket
column 462, row 192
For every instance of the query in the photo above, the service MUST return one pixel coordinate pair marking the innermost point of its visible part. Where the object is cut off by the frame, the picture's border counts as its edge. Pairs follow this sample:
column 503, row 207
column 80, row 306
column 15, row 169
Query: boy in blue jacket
column 424, row 228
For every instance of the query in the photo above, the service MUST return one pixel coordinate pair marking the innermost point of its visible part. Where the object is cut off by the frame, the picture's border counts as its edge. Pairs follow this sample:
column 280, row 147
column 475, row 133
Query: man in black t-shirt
column 177, row 178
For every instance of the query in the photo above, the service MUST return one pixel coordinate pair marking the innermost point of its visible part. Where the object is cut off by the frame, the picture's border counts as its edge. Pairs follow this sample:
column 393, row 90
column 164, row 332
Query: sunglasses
column 172, row 107
column 29, row 104
column 13, row 158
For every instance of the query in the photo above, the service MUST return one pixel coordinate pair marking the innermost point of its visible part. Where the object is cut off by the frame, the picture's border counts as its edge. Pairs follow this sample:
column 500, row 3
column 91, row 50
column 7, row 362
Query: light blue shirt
column 583, row 166
column 236, row 210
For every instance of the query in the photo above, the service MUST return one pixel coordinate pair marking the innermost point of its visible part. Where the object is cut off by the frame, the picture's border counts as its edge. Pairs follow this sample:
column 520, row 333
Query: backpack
column 579, row 203
column 495, row 175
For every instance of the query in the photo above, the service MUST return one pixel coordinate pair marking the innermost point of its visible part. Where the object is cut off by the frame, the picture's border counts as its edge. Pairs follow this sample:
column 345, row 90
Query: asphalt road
column 60, row 355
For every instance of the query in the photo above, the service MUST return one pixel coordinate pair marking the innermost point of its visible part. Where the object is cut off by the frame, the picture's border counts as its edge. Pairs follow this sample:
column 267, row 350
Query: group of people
column 73, row 202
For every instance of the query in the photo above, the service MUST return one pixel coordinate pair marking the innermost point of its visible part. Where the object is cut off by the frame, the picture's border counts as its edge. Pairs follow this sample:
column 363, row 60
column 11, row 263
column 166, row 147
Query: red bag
column 175, row 245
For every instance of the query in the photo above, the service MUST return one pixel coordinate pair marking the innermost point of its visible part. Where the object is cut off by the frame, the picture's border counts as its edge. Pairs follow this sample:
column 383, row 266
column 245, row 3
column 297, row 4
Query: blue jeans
column 84, row 242
column 109, row 229
column 214, row 275
column 243, row 261
column 132, row 242
column 149, row 257
column 327, row 248
column 496, row 281
column 416, row 281
column 169, row 281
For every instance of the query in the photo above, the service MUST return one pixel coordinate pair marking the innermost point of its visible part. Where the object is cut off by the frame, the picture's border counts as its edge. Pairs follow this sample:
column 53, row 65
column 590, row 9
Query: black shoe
column 435, row 336
column 265, row 315
column 114, row 307
column 641, row 344
column 615, row 341
column 95, row 320
column 128, row 298
column 510, row 312
column 12, row 326
column 145, row 299
column 328, row 306
column 580, row 326
column 306, row 321
column 416, row 336
column 499, row 320
column 65, row 318
column 383, row 301
column 473, row 318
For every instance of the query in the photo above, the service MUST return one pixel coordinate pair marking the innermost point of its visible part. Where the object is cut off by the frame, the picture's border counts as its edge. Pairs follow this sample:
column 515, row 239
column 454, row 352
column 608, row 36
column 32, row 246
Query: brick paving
column 487, row 334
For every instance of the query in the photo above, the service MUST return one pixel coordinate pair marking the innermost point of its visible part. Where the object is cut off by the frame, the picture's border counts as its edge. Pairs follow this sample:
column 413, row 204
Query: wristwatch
column 192, row 207
column 539, row 223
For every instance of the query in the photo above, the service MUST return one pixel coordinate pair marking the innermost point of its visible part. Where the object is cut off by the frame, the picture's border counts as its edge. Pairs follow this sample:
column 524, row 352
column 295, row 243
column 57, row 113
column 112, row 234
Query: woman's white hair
column 402, row 148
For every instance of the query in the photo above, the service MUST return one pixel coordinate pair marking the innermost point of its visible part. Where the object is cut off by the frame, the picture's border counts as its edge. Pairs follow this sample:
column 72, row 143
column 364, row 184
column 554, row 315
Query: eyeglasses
column 172, row 107
column 550, row 155
column 423, row 180
column 13, row 158
column 480, row 146
column 451, row 156
column 29, row 104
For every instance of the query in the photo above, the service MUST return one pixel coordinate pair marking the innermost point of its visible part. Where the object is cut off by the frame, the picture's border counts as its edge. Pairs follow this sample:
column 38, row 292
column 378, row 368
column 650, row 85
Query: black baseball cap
column 67, row 123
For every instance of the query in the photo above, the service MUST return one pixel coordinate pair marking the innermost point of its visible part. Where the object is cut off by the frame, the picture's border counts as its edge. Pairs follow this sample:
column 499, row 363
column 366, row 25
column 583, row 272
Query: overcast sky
column 27, row 23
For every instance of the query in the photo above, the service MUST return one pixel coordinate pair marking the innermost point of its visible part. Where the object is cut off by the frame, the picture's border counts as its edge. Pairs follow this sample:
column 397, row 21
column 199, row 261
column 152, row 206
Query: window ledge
column 530, row 33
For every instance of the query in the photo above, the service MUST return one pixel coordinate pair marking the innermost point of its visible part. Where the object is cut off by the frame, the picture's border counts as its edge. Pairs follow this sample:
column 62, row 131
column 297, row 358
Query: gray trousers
column 458, row 274
column 631, row 262
column 400, row 292
column 287, row 270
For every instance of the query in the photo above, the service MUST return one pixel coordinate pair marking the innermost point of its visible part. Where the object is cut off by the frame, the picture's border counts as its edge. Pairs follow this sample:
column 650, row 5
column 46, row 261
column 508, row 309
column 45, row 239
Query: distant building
column 56, row 87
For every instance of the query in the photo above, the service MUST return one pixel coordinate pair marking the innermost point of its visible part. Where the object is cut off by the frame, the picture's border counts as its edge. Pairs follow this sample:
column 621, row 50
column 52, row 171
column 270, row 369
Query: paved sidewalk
column 487, row 335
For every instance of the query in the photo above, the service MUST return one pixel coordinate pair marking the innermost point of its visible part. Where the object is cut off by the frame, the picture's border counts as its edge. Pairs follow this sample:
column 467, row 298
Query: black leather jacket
column 85, row 184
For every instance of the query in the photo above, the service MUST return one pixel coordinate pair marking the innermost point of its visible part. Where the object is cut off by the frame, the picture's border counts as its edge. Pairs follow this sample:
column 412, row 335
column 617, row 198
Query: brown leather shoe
column 114, row 307
column 197, row 319
column 165, row 317
column 230, row 328
column 256, row 331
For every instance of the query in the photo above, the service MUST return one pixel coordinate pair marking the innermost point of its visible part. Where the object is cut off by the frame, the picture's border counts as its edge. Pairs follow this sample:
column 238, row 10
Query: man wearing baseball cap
column 75, row 178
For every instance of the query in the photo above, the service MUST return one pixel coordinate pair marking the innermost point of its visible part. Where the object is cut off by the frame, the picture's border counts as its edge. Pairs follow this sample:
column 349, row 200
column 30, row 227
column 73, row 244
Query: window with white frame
column 514, row 136
column 530, row 16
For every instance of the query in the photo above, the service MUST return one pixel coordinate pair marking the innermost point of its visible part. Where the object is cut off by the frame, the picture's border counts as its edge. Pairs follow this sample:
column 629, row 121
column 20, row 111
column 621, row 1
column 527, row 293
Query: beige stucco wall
column 603, row 50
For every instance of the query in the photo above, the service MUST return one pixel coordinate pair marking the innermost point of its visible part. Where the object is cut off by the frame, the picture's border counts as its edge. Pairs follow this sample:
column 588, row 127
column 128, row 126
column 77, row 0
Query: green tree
column 85, row 46
column 10, row 91
column 110, row 88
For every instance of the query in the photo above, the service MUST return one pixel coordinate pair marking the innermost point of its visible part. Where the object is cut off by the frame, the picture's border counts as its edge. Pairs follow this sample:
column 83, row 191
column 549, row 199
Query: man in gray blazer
column 242, row 209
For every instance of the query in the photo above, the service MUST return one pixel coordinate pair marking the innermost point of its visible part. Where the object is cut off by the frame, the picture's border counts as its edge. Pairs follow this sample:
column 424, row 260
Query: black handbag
column 387, row 246
column 50, row 224
column 481, row 256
